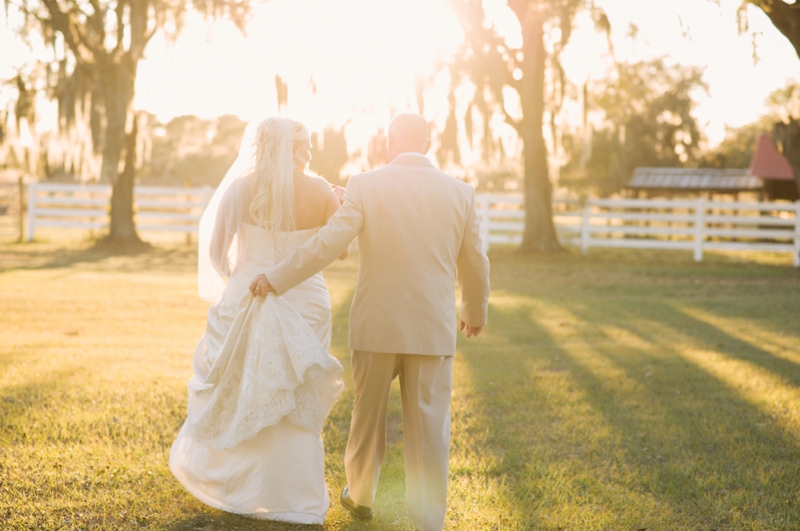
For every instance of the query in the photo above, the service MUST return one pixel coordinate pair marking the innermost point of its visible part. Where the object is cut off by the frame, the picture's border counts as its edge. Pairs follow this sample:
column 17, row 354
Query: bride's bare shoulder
column 319, row 185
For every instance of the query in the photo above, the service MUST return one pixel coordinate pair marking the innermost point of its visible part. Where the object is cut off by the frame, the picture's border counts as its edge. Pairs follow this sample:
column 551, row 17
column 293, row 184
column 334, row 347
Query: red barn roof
column 767, row 163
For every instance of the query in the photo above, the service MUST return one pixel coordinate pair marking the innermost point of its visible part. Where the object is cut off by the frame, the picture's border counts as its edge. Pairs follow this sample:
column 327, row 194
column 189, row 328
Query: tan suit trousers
column 425, row 386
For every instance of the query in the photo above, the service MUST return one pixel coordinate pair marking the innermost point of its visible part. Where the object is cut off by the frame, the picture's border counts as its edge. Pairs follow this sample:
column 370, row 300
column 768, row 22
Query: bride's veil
column 258, row 189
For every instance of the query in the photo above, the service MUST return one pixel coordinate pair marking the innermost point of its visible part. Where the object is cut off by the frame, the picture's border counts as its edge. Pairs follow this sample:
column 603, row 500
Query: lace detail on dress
column 283, row 372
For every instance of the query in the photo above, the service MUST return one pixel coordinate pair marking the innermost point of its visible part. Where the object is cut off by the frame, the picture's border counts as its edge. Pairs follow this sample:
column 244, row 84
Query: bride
column 264, row 382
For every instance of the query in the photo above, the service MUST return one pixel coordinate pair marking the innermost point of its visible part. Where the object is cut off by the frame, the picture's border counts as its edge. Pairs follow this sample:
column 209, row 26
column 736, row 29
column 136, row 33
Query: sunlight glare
column 499, row 15
column 586, row 54
column 340, row 59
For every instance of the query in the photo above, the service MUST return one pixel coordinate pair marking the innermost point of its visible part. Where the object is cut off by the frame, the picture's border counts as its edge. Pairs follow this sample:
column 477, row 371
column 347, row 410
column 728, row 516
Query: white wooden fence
column 156, row 208
column 697, row 225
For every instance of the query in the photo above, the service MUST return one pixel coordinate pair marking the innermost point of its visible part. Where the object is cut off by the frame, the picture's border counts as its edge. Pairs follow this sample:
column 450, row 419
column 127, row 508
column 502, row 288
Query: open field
column 617, row 391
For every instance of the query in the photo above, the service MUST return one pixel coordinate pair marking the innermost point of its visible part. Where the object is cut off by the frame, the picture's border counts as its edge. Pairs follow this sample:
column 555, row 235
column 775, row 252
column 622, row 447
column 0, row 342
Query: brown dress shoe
column 361, row 512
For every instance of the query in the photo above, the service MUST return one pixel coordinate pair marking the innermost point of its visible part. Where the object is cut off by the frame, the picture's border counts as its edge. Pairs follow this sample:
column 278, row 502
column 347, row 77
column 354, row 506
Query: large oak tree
column 492, row 65
column 102, row 42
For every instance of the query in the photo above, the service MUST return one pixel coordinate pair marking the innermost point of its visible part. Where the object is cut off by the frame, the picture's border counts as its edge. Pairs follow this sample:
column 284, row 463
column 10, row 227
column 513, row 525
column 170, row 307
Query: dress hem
column 279, row 516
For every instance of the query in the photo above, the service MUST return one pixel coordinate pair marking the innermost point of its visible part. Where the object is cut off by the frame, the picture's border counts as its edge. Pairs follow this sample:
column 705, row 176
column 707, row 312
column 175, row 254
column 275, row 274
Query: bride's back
column 314, row 201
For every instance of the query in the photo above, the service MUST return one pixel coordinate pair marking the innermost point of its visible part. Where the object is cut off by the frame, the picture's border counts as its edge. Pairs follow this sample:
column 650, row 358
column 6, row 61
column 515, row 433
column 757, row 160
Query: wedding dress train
column 264, row 384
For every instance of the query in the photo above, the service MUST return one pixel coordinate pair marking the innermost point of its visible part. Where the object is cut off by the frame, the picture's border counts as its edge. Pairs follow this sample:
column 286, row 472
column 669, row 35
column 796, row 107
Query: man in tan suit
column 418, row 230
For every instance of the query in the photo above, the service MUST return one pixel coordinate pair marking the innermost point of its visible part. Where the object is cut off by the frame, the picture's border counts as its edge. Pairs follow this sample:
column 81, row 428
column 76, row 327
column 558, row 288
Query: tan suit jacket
column 418, row 230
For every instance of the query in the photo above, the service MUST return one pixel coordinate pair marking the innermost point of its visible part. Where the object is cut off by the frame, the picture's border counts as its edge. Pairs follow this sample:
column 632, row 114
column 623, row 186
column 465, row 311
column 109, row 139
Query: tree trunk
column 539, row 234
column 118, row 83
column 122, row 195
column 787, row 135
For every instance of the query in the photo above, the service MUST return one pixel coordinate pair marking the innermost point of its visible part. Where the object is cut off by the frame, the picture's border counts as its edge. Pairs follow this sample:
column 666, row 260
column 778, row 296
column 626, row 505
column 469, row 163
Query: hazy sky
column 701, row 33
column 364, row 55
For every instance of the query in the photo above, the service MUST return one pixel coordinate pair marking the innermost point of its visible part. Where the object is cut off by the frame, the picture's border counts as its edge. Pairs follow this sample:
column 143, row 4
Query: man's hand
column 259, row 287
column 339, row 191
column 472, row 331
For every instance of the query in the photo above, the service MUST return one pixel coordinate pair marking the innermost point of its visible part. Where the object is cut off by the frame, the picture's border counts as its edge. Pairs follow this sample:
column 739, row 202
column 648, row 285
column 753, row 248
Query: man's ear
column 427, row 146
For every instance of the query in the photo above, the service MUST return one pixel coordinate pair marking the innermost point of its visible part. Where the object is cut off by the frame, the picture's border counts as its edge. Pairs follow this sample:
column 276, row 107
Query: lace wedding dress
column 264, row 384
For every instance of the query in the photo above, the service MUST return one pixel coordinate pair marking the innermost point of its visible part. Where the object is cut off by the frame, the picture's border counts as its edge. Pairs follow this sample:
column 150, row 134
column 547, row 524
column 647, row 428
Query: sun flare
column 339, row 59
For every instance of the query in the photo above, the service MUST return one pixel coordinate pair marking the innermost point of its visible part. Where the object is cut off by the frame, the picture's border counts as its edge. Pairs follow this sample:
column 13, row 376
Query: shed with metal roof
column 769, row 175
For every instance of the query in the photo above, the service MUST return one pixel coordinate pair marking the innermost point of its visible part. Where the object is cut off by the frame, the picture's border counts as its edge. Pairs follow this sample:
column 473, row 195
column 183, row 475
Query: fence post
column 31, row 209
column 21, row 191
column 587, row 211
column 699, row 228
column 797, row 233
column 483, row 213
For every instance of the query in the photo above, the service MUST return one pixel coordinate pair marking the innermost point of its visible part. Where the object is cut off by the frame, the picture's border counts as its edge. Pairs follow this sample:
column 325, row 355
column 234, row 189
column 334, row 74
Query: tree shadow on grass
column 42, row 257
column 704, row 334
column 597, row 433
column 625, row 257
column 18, row 402
column 746, row 452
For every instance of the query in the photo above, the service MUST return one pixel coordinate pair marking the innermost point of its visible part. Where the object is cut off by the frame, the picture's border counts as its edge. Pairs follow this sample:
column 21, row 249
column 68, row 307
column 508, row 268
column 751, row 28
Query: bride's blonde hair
column 272, row 206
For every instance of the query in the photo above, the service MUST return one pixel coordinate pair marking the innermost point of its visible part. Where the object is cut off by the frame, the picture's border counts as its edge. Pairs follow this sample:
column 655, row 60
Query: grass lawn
column 616, row 391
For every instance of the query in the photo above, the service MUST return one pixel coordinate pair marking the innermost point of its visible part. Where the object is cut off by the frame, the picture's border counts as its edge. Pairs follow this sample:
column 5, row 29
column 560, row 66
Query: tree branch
column 120, row 12
column 98, row 19
column 149, row 35
column 93, row 22
column 785, row 17
column 61, row 23
column 138, row 22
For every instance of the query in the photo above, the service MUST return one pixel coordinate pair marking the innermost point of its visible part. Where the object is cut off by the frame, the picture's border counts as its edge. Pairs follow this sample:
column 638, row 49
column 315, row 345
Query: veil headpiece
column 257, row 189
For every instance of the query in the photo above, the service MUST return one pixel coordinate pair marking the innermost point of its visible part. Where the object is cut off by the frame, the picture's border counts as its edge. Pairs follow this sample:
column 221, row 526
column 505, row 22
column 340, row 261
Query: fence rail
column 697, row 225
column 156, row 208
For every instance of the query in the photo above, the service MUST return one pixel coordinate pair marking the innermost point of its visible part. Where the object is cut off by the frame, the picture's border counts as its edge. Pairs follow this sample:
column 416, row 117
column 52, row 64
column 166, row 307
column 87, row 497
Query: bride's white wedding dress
column 264, row 384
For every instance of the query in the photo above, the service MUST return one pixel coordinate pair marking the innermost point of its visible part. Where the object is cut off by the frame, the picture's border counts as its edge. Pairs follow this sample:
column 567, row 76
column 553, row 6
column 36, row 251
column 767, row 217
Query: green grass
column 617, row 391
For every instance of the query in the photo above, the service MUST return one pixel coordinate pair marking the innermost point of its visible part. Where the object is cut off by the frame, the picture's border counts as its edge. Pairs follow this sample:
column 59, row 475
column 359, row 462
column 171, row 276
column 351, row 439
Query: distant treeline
column 186, row 151
column 640, row 115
